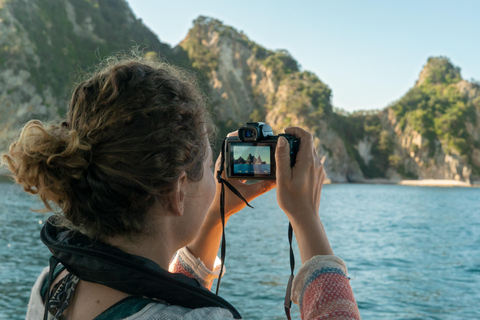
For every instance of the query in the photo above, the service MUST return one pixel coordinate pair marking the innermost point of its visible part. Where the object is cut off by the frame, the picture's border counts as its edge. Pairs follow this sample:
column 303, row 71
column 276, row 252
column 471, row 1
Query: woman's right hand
column 298, row 193
column 299, row 187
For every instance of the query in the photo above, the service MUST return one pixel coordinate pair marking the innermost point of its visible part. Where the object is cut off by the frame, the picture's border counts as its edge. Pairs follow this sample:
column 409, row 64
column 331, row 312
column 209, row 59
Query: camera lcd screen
column 251, row 160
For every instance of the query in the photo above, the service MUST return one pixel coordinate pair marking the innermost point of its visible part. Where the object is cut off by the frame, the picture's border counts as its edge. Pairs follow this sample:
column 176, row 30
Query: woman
column 130, row 169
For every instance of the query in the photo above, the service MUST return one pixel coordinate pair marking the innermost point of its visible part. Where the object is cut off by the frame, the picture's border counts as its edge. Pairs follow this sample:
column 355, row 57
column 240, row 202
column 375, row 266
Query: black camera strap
column 288, row 293
column 222, row 209
column 288, row 301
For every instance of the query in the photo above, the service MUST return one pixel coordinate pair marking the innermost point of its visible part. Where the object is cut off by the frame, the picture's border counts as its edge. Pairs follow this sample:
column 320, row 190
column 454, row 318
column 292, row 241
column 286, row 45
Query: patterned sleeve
column 322, row 290
column 184, row 262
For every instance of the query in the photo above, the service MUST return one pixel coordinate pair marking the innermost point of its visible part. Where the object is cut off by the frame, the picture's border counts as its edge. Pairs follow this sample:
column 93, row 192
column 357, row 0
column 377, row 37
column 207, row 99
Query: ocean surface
column 412, row 252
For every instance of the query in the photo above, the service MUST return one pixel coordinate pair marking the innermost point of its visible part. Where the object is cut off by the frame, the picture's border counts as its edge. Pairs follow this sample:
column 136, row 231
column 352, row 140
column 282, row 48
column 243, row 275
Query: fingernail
column 281, row 142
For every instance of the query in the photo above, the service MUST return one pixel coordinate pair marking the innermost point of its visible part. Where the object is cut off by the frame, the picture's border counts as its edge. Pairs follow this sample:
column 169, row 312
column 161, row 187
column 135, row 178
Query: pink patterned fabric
column 329, row 296
column 321, row 287
column 322, row 290
column 183, row 262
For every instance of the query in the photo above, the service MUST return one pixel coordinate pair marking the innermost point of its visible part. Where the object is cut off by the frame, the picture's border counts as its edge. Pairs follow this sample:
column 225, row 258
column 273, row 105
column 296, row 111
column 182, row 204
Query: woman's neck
column 157, row 244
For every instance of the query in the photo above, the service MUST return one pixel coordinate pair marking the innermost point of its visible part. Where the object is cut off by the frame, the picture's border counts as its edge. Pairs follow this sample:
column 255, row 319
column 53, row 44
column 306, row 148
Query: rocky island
column 250, row 160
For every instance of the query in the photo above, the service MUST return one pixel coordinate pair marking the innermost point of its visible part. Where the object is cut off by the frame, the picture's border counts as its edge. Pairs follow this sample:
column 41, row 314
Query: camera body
column 251, row 155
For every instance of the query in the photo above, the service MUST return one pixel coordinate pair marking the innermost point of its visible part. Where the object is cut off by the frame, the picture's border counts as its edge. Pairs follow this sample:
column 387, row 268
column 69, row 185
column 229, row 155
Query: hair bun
column 46, row 158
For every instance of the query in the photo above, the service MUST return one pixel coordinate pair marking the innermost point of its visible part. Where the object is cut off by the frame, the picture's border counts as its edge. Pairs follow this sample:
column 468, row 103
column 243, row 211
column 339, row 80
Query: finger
column 282, row 159
column 218, row 162
column 318, row 161
column 254, row 190
column 237, row 184
column 266, row 186
column 306, row 148
column 233, row 134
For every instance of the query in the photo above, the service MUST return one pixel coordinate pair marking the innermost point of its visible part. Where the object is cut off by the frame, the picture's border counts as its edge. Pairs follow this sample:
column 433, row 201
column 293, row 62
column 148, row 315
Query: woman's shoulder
column 139, row 308
column 35, row 305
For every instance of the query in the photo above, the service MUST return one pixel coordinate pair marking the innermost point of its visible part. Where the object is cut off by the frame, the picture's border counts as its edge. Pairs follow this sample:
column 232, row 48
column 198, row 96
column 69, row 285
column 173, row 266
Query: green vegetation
column 405, row 173
column 282, row 63
column 438, row 110
column 308, row 97
column 64, row 46
column 441, row 71
column 353, row 128
column 200, row 56
column 257, row 115
column 223, row 128
column 435, row 108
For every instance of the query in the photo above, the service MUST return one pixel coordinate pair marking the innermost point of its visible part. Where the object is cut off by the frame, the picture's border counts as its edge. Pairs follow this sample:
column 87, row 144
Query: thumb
column 282, row 157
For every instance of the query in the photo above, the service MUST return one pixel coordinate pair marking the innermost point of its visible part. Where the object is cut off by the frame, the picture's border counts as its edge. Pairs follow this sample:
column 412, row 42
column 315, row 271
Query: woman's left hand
column 205, row 245
column 233, row 203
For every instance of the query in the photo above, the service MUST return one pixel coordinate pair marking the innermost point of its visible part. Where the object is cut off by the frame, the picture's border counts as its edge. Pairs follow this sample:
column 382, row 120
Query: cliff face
column 44, row 43
column 437, row 124
column 431, row 132
column 248, row 82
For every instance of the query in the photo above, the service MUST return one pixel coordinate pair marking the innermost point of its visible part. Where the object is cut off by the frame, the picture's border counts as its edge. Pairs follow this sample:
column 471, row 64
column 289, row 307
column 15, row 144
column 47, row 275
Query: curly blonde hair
column 131, row 129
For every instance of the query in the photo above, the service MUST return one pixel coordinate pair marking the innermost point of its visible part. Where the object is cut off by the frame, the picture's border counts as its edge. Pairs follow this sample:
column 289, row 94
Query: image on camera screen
column 251, row 159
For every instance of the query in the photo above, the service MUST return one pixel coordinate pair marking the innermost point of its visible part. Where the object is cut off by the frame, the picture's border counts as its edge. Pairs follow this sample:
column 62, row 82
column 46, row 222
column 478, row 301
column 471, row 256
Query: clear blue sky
column 368, row 52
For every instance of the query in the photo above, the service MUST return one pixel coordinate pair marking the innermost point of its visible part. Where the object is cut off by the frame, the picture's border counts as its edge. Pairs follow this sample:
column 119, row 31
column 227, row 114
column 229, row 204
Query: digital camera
column 251, row 155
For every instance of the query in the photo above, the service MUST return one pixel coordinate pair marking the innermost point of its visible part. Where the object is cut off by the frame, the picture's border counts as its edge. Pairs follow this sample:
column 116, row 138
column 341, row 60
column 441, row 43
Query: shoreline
column 415, row 183
column 422, row 183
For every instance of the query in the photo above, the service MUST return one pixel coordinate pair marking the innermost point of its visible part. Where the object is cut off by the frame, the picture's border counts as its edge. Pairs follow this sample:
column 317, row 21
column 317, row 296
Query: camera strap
column 288, row 301
column 222, row 209
column 288, row 293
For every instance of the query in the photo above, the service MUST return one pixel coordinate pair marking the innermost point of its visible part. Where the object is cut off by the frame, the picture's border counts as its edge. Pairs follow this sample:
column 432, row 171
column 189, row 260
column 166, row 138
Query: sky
column 369, row 53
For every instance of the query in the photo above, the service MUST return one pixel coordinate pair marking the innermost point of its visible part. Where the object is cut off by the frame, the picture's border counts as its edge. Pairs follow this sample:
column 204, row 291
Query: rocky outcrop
column 19, row 97
column 418, row 161
column 248, row 82
column 445, row 144
column 250, row 160
column 45, row 43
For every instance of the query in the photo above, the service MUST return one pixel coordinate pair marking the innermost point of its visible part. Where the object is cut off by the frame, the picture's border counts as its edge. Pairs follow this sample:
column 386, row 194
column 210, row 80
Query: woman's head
column 131, row 130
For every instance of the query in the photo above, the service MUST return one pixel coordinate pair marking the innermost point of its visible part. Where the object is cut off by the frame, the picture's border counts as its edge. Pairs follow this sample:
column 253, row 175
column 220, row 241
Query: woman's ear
column 177, row 198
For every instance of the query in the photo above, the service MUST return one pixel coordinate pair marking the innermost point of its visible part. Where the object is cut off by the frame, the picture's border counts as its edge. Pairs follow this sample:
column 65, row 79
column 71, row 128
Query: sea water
column 411, row 252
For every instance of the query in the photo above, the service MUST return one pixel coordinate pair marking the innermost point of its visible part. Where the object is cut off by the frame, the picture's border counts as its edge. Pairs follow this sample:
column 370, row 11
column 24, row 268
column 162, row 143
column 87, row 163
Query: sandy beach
column 436, row 183
column 422, row 183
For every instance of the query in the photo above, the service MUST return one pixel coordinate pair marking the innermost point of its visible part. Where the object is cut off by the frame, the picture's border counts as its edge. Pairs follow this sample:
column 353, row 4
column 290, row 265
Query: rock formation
column 248, row 82
column 431, row 132
column 46, row 44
